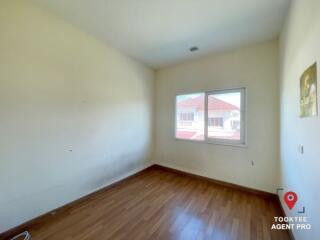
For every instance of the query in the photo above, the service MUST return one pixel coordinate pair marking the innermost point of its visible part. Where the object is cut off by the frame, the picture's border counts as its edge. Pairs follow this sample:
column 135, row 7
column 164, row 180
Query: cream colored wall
column 254, row 67
column 75, row 115
column 299, row 48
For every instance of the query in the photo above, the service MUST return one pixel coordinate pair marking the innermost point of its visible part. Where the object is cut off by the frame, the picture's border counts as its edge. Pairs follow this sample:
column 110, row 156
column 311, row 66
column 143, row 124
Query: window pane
column 224, row 116
column 190, row 116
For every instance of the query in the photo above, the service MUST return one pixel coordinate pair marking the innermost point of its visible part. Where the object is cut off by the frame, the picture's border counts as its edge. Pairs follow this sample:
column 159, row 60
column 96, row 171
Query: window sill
column 239, row 145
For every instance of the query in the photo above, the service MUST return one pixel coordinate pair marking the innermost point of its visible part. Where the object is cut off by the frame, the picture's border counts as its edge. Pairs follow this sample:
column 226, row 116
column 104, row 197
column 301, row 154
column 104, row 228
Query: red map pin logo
column 290, row 199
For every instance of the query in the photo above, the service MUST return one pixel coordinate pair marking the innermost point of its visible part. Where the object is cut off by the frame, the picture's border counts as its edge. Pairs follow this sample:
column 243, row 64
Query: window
column 215, row 122
column 190, row 116
column 216, row 117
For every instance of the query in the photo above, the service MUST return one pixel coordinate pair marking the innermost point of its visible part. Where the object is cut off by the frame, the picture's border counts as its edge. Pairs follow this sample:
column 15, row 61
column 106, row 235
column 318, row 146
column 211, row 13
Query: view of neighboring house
column 223, row 119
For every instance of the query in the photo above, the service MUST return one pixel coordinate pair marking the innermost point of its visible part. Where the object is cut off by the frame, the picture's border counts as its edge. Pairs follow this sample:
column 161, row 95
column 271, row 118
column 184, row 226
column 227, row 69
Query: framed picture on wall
column 308, row 92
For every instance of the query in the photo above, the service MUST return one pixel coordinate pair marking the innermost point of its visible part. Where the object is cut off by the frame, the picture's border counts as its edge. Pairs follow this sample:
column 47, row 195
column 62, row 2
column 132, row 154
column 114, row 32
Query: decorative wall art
column 308, row 92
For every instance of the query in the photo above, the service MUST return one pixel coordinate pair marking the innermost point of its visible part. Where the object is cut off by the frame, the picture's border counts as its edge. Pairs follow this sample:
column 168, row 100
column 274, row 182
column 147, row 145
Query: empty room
column 159, row 119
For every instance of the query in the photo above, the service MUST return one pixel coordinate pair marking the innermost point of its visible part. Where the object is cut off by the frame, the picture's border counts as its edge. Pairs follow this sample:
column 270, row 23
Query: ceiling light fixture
column 194, row 49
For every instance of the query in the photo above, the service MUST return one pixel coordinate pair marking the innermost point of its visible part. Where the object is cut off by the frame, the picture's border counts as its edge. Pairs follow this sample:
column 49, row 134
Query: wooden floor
column 159, row 204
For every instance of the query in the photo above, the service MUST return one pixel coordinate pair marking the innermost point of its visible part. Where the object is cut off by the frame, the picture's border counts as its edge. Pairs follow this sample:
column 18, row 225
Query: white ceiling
column 160, row 32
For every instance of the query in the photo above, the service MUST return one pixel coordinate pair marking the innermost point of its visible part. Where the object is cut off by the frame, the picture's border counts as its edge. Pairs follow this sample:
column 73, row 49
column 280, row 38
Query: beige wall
column 299, row 49
column 253, row 67
column 75, row 115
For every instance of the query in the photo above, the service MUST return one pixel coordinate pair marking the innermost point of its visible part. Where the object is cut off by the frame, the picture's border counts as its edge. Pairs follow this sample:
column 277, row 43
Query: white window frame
column 243, row 117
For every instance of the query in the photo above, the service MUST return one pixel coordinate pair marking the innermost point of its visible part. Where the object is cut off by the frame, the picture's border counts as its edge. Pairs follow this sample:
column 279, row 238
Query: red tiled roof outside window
column 213, row 104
